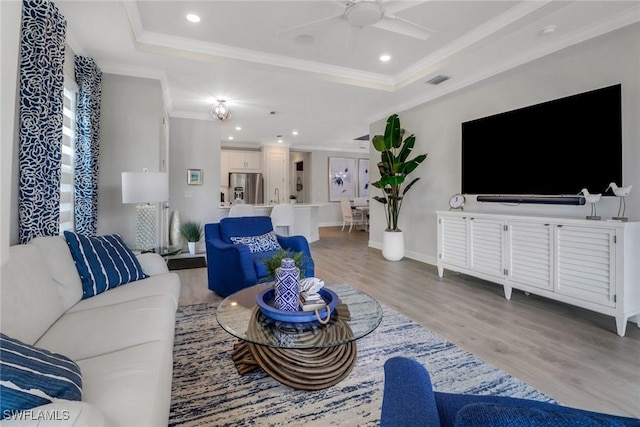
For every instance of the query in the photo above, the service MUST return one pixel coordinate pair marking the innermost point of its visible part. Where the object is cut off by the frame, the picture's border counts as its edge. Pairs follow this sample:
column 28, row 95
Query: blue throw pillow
column 31, row 376
column 263, row 243
column 103, row 262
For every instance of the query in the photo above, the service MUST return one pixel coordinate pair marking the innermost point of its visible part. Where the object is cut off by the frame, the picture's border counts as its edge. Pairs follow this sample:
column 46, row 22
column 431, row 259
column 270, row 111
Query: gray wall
column 130, row 131
column 194, row 144
column 331, row 213
column 608, row 60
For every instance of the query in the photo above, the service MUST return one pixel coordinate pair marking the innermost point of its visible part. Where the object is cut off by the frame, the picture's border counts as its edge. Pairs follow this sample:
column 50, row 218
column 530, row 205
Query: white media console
column 589, row 264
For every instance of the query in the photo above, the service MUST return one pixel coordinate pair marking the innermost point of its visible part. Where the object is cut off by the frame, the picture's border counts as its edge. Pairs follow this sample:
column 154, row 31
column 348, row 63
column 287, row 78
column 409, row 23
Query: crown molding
column 621, row 20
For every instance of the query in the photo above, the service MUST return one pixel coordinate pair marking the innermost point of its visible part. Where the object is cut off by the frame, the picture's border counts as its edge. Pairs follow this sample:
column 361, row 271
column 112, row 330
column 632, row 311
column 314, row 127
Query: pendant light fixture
column 221, row 111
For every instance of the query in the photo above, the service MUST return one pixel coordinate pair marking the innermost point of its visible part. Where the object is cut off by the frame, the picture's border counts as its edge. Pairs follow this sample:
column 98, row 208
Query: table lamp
column 145, row 189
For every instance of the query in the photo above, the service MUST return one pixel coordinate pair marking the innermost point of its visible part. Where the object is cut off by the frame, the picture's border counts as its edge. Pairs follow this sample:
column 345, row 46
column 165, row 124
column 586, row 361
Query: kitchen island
column 305, row 220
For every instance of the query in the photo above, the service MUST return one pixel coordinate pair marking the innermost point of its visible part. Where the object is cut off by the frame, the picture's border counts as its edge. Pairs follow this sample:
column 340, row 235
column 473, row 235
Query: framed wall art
column 342, row 178
column 363, row 177
column 194, row 176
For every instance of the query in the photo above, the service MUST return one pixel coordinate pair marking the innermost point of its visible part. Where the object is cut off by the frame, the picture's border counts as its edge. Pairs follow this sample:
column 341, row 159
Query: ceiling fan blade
column 391, row 7
column 404, row 27
column 328, row 18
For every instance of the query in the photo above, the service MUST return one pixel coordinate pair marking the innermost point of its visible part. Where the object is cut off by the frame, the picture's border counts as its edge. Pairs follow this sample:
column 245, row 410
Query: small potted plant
column 192, row 232
column 293, row 199
column 275, row 260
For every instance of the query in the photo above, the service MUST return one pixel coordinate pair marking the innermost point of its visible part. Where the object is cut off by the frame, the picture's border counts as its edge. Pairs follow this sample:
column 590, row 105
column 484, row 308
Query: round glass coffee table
column 302, row 355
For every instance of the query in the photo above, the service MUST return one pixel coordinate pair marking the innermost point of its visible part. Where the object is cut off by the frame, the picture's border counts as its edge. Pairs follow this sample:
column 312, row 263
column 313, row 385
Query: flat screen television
column 555, row 148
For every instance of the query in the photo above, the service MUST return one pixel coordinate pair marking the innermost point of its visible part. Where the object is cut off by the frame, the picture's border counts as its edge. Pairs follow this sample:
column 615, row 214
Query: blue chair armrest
column 408, row 398
column 229, row 267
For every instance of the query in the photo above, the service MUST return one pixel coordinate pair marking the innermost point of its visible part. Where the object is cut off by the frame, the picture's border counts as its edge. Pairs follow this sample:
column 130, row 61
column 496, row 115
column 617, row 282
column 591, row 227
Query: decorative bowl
column 265, row 301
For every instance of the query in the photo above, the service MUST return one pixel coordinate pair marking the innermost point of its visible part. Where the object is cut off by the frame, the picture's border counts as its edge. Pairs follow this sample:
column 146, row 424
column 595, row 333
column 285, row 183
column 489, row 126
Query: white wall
column 194, row 144
column 331, row 213
column 608, row 60
column 130, row 140
column 10, row 20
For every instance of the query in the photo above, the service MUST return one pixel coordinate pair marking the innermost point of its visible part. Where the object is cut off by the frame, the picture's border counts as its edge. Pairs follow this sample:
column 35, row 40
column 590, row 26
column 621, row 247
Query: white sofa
column 122, row 339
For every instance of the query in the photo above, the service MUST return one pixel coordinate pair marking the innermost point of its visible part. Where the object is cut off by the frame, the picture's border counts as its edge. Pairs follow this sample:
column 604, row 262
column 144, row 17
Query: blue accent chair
column 232, row 267
column 409, row 400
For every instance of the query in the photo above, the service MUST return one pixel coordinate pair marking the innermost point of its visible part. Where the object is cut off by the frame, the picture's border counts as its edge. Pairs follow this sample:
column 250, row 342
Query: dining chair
column 242, row 210
column 349, row 215
column 282, row 215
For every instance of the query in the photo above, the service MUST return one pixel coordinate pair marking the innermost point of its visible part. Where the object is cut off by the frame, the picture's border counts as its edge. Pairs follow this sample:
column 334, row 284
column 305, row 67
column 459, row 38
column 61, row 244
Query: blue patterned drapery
column 41, row 99
column 89, row 79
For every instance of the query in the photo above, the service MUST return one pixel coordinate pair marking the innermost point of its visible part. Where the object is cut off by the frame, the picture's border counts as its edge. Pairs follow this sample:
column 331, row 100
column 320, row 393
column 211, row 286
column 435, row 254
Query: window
column 68, row 151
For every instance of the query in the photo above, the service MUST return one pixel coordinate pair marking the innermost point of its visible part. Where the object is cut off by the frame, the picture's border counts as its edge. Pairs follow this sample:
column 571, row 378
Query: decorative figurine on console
column 620, row 192
column 593, row 199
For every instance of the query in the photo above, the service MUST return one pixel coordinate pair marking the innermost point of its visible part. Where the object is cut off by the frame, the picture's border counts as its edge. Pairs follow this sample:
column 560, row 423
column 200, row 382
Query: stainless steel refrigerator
column 246, row 188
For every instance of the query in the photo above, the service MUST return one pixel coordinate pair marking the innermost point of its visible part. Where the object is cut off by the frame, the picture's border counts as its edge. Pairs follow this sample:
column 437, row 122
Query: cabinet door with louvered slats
column 530, row 254
column 585, row 263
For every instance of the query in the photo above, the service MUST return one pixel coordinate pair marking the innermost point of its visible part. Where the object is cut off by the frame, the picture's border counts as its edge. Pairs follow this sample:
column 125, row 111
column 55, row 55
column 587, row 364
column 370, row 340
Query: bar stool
column 283, row 216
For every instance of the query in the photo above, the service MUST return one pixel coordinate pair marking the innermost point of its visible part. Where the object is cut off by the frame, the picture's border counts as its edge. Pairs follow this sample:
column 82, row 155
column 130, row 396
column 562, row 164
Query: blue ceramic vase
column 287, row 288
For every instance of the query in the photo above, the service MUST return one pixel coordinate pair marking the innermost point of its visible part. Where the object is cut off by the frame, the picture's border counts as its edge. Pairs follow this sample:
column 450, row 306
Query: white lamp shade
column 145, row 187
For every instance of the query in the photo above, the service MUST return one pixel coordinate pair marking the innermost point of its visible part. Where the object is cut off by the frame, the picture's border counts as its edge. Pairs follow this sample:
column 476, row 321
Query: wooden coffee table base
column 303, row 369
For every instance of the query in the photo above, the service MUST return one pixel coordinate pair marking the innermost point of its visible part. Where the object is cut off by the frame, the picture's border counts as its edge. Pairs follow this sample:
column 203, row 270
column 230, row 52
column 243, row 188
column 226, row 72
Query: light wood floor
column 568, row 353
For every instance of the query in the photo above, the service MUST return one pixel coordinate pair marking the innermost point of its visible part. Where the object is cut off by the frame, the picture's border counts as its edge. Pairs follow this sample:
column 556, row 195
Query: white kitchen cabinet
column 244, row 161
column 590, row 264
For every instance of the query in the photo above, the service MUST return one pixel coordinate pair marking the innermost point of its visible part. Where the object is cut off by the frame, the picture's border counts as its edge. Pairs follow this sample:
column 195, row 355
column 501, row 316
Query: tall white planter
column 192, row 248
column 393, row 245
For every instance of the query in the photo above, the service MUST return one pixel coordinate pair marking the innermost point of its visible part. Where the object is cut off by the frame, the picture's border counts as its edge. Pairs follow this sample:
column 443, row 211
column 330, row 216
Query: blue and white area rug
column 208, row 391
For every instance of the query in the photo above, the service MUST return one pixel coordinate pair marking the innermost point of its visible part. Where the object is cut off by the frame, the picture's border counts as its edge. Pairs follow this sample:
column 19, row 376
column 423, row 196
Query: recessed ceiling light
column 280, row 141
column 295, row 132
column 385, row 57
column 192, row 17
column 549, row 29
column 230, row 138
column 238, row 128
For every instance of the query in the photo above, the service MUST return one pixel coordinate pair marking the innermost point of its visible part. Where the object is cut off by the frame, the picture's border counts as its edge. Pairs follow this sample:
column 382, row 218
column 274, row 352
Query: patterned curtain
column 41, row 100
column 89, row 79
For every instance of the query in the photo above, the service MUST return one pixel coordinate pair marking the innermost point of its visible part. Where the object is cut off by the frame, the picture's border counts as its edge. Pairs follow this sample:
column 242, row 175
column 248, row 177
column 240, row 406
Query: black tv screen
column 553, row 148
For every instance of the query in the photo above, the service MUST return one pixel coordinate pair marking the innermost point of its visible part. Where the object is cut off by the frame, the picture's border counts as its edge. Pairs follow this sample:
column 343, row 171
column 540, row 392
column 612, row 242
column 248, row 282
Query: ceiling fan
column 375, row 13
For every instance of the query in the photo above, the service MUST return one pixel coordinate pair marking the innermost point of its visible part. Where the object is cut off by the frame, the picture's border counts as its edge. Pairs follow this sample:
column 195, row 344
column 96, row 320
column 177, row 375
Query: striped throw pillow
column 31, row 376
column 103, row 262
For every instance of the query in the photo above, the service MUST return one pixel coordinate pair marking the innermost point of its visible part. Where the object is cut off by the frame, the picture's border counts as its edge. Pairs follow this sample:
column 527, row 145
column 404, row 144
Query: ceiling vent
column 438, row 79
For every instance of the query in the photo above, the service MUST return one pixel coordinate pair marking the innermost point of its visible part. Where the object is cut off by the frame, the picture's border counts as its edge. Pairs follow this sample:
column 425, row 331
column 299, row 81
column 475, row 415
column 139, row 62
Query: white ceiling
column 323, row 80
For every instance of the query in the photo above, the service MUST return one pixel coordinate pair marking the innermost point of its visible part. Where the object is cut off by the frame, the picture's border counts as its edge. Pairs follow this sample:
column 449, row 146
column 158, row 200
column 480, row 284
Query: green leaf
column 379, row 144
column 382, row 200
column 406, row 148
column 410, row 185
column 412, row 164
column 392, row 132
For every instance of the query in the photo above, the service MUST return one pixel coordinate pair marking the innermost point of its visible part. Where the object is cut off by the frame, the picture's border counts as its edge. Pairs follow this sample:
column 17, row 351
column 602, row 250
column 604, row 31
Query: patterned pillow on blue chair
column 31, row 377
column 263, row 243
column 103, row 262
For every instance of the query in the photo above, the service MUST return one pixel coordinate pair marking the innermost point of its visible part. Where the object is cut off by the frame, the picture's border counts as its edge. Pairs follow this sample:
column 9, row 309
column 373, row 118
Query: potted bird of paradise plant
column 395, row 166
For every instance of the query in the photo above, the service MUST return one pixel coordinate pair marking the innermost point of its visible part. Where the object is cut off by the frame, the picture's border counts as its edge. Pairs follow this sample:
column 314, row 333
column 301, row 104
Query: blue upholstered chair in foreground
column 409, row 400
column 237, row 247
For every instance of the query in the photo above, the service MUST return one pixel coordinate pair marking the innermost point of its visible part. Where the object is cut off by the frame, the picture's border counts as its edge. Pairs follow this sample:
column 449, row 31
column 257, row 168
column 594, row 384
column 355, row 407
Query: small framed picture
column 194, row 176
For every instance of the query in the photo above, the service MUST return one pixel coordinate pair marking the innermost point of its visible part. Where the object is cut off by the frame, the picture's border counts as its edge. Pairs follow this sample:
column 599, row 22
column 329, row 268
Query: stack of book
column 310, row 302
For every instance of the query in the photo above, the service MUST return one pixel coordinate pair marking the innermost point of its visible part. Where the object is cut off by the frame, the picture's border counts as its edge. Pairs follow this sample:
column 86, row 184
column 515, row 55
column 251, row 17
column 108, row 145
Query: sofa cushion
column 164, row 284
column 101, row 330
column 132, row 385
column 103, row 262
column 30, row 302
column 244, row 226
column 263, row 243
column 57, row 257
column 32, row 376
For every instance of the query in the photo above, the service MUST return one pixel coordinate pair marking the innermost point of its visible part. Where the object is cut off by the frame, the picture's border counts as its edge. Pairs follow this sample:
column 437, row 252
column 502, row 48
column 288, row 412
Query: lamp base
column 145, row 227
column 620, row 218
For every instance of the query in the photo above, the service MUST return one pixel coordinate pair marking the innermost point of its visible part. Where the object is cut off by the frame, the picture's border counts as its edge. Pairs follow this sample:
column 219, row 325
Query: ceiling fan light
column 221, row 111
column 364, row 13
